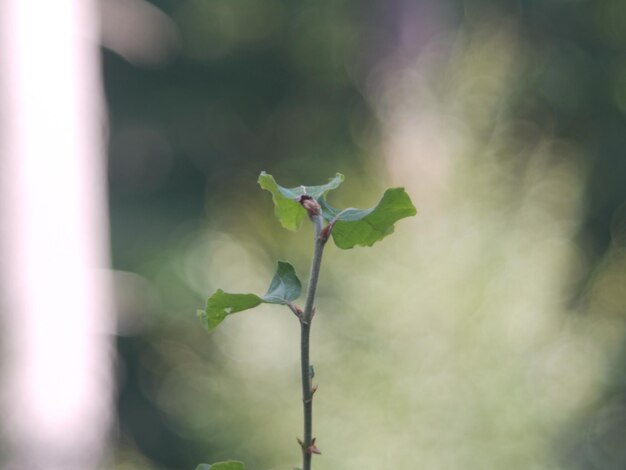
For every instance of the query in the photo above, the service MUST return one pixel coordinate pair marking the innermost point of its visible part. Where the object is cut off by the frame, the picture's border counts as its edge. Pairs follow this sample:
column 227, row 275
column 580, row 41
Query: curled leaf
column 284, row 288
column 288, row 210
column 365, row 227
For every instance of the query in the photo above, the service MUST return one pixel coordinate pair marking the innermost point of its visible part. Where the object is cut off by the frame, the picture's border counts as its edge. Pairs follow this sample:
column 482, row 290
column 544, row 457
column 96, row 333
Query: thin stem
column 305, row 331
column 307, row 396
column 315, row 268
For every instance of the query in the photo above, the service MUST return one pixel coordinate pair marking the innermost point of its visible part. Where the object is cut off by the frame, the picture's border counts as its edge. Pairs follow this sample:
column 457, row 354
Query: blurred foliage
column 489, row 333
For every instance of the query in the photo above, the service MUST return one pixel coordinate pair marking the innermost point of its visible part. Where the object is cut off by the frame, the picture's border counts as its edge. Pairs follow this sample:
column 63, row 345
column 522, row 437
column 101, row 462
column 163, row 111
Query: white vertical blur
column 56, row 311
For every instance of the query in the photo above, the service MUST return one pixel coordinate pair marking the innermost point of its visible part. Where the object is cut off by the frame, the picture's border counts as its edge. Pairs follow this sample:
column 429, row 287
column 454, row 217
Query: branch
column 308, row 445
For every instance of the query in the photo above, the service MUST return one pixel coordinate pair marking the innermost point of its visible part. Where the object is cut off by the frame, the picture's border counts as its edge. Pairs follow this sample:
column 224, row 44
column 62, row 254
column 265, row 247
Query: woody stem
column 305, row 330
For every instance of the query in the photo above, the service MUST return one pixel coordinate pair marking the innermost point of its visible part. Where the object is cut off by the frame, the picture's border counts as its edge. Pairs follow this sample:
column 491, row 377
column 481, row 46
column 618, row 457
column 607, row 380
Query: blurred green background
column 487, row 333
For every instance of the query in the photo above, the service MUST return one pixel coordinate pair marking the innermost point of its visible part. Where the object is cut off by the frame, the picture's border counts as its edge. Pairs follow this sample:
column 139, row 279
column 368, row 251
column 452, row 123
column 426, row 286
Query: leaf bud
column 311, row 205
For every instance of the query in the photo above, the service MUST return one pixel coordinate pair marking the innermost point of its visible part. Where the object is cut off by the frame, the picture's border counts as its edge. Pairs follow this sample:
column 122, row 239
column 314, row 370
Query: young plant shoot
column 348, row 228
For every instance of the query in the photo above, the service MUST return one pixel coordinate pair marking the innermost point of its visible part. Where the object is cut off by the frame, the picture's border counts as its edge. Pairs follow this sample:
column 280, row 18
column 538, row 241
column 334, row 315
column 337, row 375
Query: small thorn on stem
column 313, row 312
column 300, row 442
column 297, row 311
column 312, row 449
column 325, row 233
column 313, row 389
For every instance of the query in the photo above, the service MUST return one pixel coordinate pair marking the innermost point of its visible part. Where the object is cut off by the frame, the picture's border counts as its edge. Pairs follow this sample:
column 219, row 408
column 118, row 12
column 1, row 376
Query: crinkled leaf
column 365, row 227
column 285, row 285
column 284, row 288
column 288, row 211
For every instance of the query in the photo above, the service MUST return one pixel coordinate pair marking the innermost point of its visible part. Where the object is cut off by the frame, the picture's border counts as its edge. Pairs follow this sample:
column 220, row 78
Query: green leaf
column 203, row 466
column 365, row 227
column 221, row 304
column 284, row 288
column 286, row 207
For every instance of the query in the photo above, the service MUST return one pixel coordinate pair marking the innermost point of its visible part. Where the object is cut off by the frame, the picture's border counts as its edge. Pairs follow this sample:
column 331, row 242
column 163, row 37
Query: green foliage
column 284, row 288
column 228, row 465
column 352, row 227
column 349, row 228
column 222, row 304
column 367, row 226
column 286, row 207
